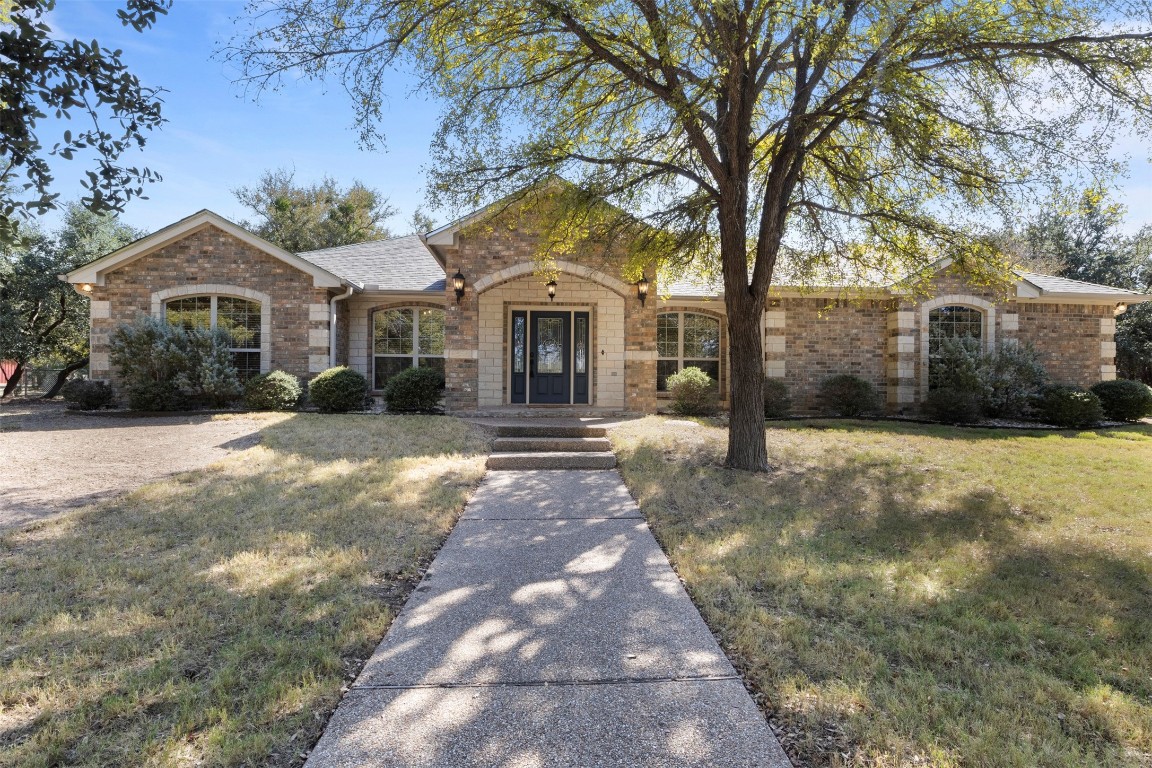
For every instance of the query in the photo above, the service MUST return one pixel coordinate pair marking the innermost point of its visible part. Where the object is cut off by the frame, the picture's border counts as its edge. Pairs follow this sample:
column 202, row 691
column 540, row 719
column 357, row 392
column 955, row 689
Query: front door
column 548, row 356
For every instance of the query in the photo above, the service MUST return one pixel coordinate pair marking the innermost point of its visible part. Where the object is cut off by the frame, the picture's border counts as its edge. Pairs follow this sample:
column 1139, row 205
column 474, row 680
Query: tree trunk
column 63, row 377
column 14, row 380
column 746, row 444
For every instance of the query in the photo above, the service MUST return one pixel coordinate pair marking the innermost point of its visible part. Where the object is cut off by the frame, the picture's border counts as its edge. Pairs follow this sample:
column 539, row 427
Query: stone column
column 901, row 359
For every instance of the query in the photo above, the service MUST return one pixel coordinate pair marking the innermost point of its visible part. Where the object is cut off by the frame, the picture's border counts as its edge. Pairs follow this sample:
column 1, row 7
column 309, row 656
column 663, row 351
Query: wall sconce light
column 551, row 290
column 86, row 287
column 458, row 285
column 642, row 290
column 1121, row 308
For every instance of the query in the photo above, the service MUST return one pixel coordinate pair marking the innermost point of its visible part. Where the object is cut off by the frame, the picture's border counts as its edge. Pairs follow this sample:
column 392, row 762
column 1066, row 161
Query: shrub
column 1124, row 399
column 414, row 389
column 86, row 395
column 1004, row 382
column 848, row 395
column 338, row 389
column 777, row 401
column 694, row 393
column 213, row 377
column 952, row 406
column 275, row 391
column 1070, row 407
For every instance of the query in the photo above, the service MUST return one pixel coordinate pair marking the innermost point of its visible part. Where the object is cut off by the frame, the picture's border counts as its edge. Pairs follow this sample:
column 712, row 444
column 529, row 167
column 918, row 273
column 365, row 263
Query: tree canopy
column 47, row 81
column 306, row 217
column 876, row 134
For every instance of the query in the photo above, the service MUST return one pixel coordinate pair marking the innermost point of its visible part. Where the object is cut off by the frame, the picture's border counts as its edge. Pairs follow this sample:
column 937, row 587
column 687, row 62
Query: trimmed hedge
column 274, row 391
column 1069, row 407
column 694, row 393
column 1124, row 399
column 414, row 390
column 338, row 390
column 86, row 395
column 847, row 395
column 777, row 401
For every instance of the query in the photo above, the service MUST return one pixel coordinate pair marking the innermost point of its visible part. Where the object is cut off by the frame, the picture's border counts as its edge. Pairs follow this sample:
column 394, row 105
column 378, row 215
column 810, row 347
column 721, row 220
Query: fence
column 37, row 381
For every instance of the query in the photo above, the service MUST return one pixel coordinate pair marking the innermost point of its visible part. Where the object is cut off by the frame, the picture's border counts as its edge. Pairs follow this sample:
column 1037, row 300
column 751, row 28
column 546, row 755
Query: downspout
column 332, row 325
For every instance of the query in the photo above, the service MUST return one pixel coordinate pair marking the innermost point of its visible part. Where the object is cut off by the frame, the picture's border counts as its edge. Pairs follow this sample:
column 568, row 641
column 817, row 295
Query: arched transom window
column 952, row 322
column 239, row 318
column 405, row 338
column 686, row 339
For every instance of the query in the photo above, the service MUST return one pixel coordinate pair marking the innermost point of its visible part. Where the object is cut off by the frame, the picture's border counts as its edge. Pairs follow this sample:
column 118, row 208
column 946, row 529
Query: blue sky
column 217, row 138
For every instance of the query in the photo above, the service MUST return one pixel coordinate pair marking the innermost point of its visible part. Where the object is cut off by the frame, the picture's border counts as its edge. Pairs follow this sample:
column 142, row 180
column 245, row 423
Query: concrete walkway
column 549, row 631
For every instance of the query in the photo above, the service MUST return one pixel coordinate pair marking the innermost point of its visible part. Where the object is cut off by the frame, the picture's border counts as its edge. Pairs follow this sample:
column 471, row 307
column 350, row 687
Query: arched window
column 952, row 322
column 405, row 338
column 685, row 339
column 239, row 318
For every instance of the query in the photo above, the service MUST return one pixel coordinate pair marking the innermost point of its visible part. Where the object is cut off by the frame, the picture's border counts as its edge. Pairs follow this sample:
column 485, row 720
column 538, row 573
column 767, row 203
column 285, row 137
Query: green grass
column 912, row 595
column 211, row 619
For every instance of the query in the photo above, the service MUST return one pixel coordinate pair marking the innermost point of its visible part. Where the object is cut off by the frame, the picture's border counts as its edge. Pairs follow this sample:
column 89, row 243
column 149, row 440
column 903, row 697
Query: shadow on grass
column 214, row 616
column 958, row 433
column 896, row 610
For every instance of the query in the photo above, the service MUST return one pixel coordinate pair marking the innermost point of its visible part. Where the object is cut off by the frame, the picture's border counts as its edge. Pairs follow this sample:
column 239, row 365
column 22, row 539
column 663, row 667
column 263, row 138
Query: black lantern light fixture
column 642, row 290
column 458, row 285
column 551, row 290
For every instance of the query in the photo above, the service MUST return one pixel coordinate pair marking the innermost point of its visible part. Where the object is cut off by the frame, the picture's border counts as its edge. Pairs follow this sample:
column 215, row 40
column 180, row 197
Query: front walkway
column 549, row 631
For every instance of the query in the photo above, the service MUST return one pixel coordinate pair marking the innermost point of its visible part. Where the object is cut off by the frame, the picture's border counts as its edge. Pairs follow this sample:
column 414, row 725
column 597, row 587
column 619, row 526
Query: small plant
column 86, row 395
column 1124, row 399
column 1070, row 407
column 338, row 389
column 414, row 390
column 694, row 393
column 849, row 396
column 777, row 401
column 952, row 406
column 275, row 391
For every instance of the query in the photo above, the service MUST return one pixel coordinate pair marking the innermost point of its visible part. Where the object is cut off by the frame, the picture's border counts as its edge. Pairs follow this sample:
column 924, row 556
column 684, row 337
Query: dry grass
column 910, row 595
column 211, row 619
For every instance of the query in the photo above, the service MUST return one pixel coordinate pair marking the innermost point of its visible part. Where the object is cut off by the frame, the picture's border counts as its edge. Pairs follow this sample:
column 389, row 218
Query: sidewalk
column 549, row 631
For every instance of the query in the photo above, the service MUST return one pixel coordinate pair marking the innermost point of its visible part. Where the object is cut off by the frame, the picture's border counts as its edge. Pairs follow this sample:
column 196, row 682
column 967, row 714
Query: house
column 468, row 298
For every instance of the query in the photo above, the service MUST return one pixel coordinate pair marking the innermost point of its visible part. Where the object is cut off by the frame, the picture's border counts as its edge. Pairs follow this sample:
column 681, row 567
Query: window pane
column 387, row 367
column 581, row 345
column 247, row 364
column 550, row 345
column 710, row 367
column 190, row 312
column 701, row 336
column 393, row 332
column 664, row 369
column 519, row 329
column 668, row 335
column 240, row 319
column 431, row 331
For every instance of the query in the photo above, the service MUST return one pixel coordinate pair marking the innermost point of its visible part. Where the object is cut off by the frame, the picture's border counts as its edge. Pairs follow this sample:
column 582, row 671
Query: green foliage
column 86, row 395
column 953, row 406
column 274, row 391
column 165, row 367
column 1124, row 399
column 44, row 77
column 414, row 390
column 1001, row 383
column 1070, row 407
column 338, row 389
column 302, row 218
column 1134, row 343
column 693, row 392
column 848, row 395
column 777, row 401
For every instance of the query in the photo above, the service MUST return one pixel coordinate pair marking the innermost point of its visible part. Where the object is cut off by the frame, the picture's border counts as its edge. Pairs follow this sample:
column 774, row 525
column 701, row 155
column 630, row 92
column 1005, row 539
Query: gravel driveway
column 52, row 460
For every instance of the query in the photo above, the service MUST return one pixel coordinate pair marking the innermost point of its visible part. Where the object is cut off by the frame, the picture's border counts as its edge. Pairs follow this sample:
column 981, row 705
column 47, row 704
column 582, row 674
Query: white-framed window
column 239, row 318
column 952, row 321
column 406, row 337
column 683, row 340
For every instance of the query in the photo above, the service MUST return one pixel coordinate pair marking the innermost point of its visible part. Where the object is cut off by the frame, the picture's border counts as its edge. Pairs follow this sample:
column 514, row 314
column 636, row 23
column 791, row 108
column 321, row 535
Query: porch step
column 561, row 444
column 543, row 430
column 552, row 460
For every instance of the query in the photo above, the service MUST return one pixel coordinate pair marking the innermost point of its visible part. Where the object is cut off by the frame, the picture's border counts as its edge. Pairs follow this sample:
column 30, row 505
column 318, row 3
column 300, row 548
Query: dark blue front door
column 549, row 355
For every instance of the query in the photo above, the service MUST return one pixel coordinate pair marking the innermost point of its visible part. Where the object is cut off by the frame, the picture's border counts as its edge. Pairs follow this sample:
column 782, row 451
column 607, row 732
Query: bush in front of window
column 1070, row 407
column 213, row 378
column 86, row 395
column 414, row 390
column 953, row 406
column 275, row 391
column 694, row 393
column 1124, row 399
column 848, row 396
column 338, row 390
column 1003, row 382
column 777, row 401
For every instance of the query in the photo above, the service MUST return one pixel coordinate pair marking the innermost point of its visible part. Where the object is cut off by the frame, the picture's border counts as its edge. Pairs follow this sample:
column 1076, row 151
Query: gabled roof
column 94, row 271
column 398, row 264
column 1036, row 285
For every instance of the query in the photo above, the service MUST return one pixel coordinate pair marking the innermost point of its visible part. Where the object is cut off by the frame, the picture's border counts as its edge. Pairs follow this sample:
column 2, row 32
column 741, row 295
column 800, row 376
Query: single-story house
column 468, row 298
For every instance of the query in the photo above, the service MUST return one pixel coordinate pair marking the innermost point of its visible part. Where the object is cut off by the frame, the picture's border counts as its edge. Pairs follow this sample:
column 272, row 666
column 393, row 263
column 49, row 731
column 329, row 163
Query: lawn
column 212, row 618
column 909, row 595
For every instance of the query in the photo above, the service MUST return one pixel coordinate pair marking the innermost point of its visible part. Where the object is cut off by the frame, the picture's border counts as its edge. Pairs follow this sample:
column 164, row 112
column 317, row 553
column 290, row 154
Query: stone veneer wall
column 1076, row 342
column 298, row 340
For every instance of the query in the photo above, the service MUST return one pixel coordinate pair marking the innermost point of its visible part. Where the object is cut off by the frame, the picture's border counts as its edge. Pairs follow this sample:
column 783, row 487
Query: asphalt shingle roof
column 398, row 264
column 1057, row 285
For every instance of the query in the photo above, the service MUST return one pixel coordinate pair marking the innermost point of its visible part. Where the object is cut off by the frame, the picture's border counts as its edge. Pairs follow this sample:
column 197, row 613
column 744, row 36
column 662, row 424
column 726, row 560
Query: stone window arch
column 953, row 316
column 244, row 314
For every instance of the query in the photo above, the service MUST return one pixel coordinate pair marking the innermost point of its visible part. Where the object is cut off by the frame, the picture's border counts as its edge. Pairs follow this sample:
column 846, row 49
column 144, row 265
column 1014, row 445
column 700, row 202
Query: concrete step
column 553, row 460
column 543, row 430
column 540, row 444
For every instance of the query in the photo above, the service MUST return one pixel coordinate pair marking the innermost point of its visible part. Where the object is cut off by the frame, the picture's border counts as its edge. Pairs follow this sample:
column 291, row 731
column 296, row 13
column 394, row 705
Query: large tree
column 306, row 217
column 45, row 82
column 858, row 134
